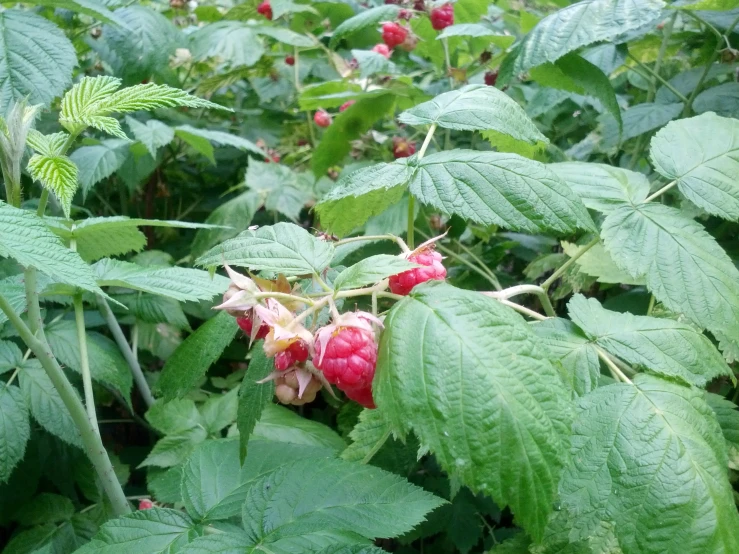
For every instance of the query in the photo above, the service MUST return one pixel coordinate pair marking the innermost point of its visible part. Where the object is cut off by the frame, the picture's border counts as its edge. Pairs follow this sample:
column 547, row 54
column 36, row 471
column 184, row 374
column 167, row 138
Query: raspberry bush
column 352, row 278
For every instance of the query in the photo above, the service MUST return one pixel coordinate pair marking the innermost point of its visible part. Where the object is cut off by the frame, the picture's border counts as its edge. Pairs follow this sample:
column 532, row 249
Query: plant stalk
column 79, row 317
column 557, row 274
column 505, row 294
column 615, row 370
column 661, row 191
column 411, row 201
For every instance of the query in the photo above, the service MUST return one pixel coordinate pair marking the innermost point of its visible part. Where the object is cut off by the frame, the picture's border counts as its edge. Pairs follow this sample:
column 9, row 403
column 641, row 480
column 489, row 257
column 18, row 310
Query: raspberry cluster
column 431, row 268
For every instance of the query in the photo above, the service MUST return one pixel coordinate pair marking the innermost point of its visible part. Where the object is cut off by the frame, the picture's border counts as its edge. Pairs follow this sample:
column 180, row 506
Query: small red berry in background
column 322, row 118
column 145, row 504
column 430, row 259
column 382, row 49
column 346, row 105
column 442, row 17
column 393, row 34
column 265, row 9
column 402, row 148
column 290, row 60
column 491, row 77
column 294, row 354
column 419, row 5
column 405, row 14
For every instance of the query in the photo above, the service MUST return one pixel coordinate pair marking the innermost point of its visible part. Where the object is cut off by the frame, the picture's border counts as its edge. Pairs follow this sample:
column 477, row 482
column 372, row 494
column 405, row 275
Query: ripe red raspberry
column 402, row 148
column 442, row 17
column 294, row 354
column 346, row 105
column 491, row 77
column 247, row 324
column 322, row 118
column 348, row 358
column 290, row 60
column 382, row 49
column 145, row 504
column 403, row 283
column 393, row 34
column 362, row 396
column 265, row 9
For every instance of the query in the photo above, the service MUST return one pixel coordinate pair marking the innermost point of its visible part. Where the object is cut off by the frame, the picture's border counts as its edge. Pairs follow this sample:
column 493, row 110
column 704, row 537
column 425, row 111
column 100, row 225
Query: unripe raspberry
column 348, row 358
column 294, row 354
column 403, row 283
column 393, row 34
column 247, row 325
column 290, row 60
column 285, row 394
column 346, row 105
column 402, row 148
column 265, row 9
column 145, row 504
column 442, row 17
column 491, row 77
column 322, row 118
column 410, row 42
column 382, row 49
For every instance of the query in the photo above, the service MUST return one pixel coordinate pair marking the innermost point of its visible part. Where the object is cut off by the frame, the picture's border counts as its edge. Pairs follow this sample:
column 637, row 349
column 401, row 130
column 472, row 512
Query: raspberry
column 403, row 283
column 393, row 34
column 145, row 504
column 348, row 358
column 405, row 14
column 322, row 118
column 442, row 17
column 290, row 60
column 265, row 9
column 491, row 77
column 362, row 396
column 294, row 354
column 247, row 325
column 402, row 148
column 419, row 5
column 346, row 105
column 382, row 49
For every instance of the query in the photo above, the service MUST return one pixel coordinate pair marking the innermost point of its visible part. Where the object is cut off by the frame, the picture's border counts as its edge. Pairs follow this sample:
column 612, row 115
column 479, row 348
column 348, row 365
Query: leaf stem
column 79, row 317
column 661, row 191
column 557, row 274
column 411, row 200
column 615, row 370
column 400, row 241
column 376, row 448
column 522, row 309
column 510, row 292
column 661, row 79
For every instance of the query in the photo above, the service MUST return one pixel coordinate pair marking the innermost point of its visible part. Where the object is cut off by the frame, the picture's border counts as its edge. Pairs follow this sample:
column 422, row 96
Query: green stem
column 401, row 242
column 615, row 370
column 79, row 317
column 557, row 274
column 125, row 348
column 35, row 321
column 661, row 191
column 376, row 448
column 42, row 202
column 661, row 79
column 482, row 264
column 522, row 309
column 539, row 292
column 411, row 201
column 90, row 439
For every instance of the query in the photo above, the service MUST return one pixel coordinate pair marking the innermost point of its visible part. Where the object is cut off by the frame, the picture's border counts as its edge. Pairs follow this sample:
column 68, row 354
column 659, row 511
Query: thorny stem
column 661, row 191
column 79, row 316
column 557, row 274
column 615, row 370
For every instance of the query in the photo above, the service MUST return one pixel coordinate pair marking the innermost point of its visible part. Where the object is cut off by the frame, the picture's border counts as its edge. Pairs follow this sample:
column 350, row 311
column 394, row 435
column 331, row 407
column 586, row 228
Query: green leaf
column 179, row 283
column 154, row 309
column 638, row 120
column 701, row 154
column 229, row 42
column 219, row 138
column 10, row 355
column 176, row 416
column 603, row 187
column 45, row 508
column 282, row 248
column 332, row 494
column 154, row 531
column 39, row 77
column 477, row 30
column 475, row 108
column 597, row 263
column 173, row 450
column 282, row 425
column 46, row 405
column 574, row 350
column 649, row 458
column 253, row 396
column 581, row 24
column 283, row 35
column 499, row 189
column 107, row 365
column 47, row 145
column 363, row 194
column 189, row 363
column 228, row 219
column 153, row 134
column 727, row 416
column 686, row 81
column 329, row 94
column 98, row 162
column 15, row 429
column 722, row 99
column 372, row 63
column 712, row 5
column 25, row 237
column 219, row 411
column 364, row 19
column 57, row 174
column 454, row 365
column 214, row 483
column 685, row 268
column 348, row 126
column 371, row 270
column 281, row 7
column 92, row 8
column 368, row 436
column 665, row 346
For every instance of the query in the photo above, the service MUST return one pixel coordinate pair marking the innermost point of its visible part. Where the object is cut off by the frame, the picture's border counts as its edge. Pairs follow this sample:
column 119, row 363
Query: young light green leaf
column 282, row 248
column 454, row 365
column 57, row 174
column 364, row 19
column 684, row 266
column 282, row 425
column 153, row 134
column 97, row 162
column 40, row 77
column 46, row 145
column 214, row 483
column 727, row 416
column 335, row 495
column 665, row 346
column 45, row 403
column 603, row 187
column 499, row 189
column 154, row 531
column 572, row 348
column 627, row 442
column 580, row 24
column 371, row 270
column 712, row 5
column 363, row 194
column 253, row 397
column 368, row 436
column 702, row 154
column 219, row 138
column 597, row 263
column 476, row 108
column 15, row 429
column 191, row 360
